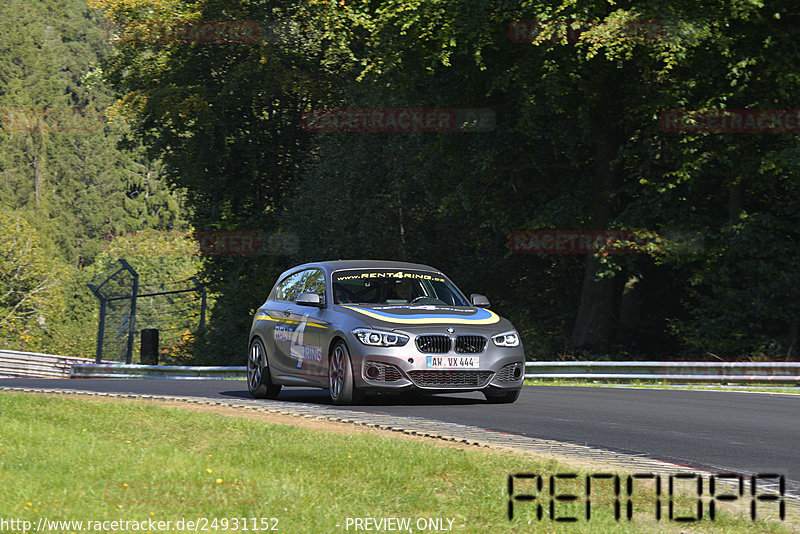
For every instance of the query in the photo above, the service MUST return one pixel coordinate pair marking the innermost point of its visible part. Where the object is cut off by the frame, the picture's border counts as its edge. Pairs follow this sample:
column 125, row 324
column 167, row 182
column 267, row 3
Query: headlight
column 508, row 339
column 376, row 338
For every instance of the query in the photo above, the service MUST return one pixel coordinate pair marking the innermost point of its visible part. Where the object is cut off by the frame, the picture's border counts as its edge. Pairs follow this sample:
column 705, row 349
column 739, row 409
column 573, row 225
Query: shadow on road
column 320, row 396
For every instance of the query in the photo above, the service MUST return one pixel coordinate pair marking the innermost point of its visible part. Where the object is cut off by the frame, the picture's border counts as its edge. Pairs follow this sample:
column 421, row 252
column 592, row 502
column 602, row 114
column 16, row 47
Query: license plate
column 453, row 362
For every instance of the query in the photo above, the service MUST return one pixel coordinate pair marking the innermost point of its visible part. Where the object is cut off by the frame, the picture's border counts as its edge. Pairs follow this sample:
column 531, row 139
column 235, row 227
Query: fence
column 752, row 372
column 15, row 364
column 123, row 308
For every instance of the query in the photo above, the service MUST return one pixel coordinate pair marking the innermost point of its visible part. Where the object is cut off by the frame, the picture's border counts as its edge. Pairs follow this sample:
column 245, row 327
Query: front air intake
column 450, row 379
column 382, row 372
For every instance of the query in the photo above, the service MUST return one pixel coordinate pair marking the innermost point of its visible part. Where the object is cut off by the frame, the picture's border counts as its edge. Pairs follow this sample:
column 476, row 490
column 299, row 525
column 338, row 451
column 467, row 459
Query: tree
column 29, row 281
column 584, row 107
column 578, row 146
column 57, row 151
column 59, row 160
column 225, row 120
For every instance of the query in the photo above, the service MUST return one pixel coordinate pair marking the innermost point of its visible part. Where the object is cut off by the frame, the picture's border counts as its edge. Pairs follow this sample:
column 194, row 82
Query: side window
column 315, row 283
column 291, row 286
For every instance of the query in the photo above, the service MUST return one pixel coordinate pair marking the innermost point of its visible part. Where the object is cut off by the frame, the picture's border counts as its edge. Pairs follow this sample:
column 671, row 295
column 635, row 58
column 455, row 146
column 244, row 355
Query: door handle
column 287, row 312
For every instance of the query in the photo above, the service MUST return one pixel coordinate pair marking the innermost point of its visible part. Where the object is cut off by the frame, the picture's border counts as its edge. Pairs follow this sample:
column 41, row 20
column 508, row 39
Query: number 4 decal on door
column 297, row 347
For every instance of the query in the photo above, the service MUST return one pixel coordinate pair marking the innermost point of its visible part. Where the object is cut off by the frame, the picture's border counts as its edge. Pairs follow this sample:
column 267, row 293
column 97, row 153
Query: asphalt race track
column 715, row 430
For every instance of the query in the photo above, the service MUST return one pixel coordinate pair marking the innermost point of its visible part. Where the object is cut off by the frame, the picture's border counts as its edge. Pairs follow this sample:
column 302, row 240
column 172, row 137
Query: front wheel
column 340, row 376
column 502, row 398
column 258, row 378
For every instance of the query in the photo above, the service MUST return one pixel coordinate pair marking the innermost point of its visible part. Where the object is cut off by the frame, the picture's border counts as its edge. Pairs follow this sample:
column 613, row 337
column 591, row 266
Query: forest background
column 124, row 135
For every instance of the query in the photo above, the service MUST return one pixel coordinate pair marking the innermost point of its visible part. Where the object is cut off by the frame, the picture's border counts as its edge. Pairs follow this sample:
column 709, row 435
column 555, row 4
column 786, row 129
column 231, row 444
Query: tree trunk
column 38, row 156
column 38, row 179
column 593, row 322
column 735, row 202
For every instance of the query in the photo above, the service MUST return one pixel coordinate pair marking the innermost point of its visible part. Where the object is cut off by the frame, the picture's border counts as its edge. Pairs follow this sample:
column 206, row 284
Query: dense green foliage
column 577, row 146
column 65, row 186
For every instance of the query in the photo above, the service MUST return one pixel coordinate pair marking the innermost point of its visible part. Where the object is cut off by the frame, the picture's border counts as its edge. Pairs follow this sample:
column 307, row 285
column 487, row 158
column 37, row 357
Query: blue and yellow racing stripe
column 478, row 316
column 310, row 322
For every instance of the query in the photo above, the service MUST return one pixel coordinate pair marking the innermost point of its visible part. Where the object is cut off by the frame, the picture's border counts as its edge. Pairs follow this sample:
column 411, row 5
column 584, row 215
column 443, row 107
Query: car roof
column 336, row 265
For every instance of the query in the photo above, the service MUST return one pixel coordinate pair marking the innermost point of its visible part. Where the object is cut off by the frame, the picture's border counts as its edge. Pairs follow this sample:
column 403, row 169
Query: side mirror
column 479, row 301
column 308, row 299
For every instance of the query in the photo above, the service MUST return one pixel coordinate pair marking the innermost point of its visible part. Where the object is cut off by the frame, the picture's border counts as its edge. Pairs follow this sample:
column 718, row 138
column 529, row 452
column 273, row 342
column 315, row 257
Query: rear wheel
column 341, row 385
column 258, row 378
column 502, row 398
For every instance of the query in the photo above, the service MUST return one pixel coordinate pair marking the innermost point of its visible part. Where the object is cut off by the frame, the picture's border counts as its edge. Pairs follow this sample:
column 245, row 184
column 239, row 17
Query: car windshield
column 387, row 286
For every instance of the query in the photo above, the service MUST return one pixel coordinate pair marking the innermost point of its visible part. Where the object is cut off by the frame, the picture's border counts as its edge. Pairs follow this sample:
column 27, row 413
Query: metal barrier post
column 149, row 346
column 132, row 325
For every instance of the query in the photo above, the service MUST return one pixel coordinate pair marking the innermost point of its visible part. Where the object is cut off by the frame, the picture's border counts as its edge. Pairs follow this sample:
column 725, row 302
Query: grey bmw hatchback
column 357, row 326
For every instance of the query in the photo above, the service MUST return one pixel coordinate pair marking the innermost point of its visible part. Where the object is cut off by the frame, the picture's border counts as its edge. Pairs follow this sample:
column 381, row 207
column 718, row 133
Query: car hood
column 395, row 316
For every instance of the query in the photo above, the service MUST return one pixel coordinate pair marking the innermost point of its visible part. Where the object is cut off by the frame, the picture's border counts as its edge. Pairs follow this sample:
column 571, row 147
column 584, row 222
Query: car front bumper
column 406, row 368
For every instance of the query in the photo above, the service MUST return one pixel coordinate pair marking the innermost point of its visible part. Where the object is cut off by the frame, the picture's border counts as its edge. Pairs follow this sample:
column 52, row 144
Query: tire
column 341, row 386
column 259, row 381
column 502, row 398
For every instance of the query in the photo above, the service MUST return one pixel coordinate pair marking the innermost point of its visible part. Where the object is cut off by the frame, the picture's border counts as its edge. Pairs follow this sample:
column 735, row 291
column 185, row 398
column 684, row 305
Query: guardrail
column 15, row 364
column 175, row 372
column 668, row 371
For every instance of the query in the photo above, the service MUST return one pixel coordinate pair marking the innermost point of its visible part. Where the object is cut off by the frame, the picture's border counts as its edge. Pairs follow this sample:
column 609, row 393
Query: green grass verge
column 63, row 458
column 662, row 384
